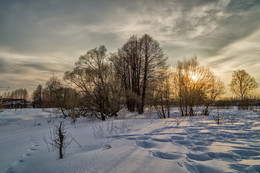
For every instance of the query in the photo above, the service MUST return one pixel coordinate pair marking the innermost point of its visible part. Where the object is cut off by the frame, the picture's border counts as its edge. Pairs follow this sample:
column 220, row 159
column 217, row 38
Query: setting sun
column 194, row 77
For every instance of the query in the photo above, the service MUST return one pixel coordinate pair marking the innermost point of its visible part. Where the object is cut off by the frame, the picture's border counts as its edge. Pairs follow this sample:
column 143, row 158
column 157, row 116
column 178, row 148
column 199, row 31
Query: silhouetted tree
column 52, row 86
column 242, row 84
column 93, row 75
column 162, row 93
column 37, row 96
column 138, row 62
column 59, row 138
column 69, row 103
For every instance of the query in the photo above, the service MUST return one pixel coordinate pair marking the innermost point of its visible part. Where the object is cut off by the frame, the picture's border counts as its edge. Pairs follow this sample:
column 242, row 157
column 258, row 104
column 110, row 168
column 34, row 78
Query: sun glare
column 194, row 77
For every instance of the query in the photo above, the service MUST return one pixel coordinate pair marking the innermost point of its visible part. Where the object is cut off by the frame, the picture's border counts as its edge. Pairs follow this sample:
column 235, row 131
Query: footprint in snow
column 9, row 170
column 27, row 155
column 24, row 156
column 19, row 161
column 13, row 165
column 31, row 149
column 35, row 145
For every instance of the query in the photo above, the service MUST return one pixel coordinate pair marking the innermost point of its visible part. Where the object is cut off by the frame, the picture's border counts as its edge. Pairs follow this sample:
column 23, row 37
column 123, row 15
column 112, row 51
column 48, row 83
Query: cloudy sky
column 39, row 39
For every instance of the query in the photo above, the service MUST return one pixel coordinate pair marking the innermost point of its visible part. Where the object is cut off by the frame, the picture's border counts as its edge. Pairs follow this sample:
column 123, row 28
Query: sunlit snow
column 132, row 143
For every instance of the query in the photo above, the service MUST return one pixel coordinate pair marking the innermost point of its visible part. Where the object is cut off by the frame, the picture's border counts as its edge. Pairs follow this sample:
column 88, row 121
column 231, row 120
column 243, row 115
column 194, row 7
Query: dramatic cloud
column 42, row 38
column 241, row 54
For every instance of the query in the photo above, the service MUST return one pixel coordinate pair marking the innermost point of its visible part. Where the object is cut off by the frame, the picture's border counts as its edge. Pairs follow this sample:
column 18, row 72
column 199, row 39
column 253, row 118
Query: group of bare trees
column 20, row 93
column 56, row 94
column 136, row 76
column 107, row 82
column 195, row 85
column 1, row 104
column 137, row 65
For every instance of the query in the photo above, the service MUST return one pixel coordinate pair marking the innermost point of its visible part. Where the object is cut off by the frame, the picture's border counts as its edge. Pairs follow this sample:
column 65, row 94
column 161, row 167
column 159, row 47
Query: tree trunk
column 61, row 138
column 141, row 110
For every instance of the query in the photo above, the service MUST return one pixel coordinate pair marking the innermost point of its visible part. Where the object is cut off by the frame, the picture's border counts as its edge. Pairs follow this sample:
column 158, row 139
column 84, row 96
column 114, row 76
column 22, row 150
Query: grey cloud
column 27, row 75
column 21, row 67
column 3, row 65
column 19, row 81
column 50, row 67
column 241, row 5
column 7, row 66
column 220, row 62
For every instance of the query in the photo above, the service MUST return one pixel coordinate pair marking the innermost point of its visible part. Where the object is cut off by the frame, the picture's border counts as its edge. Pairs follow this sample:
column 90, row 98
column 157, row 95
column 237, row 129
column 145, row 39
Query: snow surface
column 132, row 143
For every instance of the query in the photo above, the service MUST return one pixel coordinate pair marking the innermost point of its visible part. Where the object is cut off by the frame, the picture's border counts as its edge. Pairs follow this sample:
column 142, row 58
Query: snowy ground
column 132, row 144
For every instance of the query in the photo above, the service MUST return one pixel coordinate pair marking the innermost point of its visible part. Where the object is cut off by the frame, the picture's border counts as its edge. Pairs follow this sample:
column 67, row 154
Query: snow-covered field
column 132, row 143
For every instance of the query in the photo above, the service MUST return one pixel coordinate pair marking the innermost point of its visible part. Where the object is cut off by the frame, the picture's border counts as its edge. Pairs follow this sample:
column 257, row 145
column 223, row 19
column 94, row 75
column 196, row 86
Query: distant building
column 13, row 103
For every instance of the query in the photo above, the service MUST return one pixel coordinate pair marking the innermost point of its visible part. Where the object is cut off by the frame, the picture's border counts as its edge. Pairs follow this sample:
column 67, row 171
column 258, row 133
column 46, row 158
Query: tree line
column 135, row 77
column 20, row 93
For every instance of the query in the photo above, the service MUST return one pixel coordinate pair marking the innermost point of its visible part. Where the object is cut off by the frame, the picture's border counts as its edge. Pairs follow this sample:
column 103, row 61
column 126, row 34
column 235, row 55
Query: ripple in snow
column 167, row 156
column 201, row 168
column 199, row 148
column 198, row 157
column 185, row 143
column 177, row 137
column 246, row 153
column 143, row 137
column 202, row 143
column 161, row 140
column 27, row 155
column 223, row 156
column 145, row 144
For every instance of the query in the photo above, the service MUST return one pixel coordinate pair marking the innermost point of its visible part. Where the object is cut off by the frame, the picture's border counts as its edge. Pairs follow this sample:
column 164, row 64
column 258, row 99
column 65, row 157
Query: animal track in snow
column 11, row 169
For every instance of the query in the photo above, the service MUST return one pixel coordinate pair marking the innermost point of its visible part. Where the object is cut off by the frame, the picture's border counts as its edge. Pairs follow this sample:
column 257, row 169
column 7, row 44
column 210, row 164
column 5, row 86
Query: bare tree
column 195, row 86
column 94, row 77
column 138, row 63
column 59, row 138
column 69, row 103
column 242, row 84
column 1, row 103
column 129, row 66
column 218, row 117
column 215, row 90
column 52, row 86
column 162, row 90
column 37, row 96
